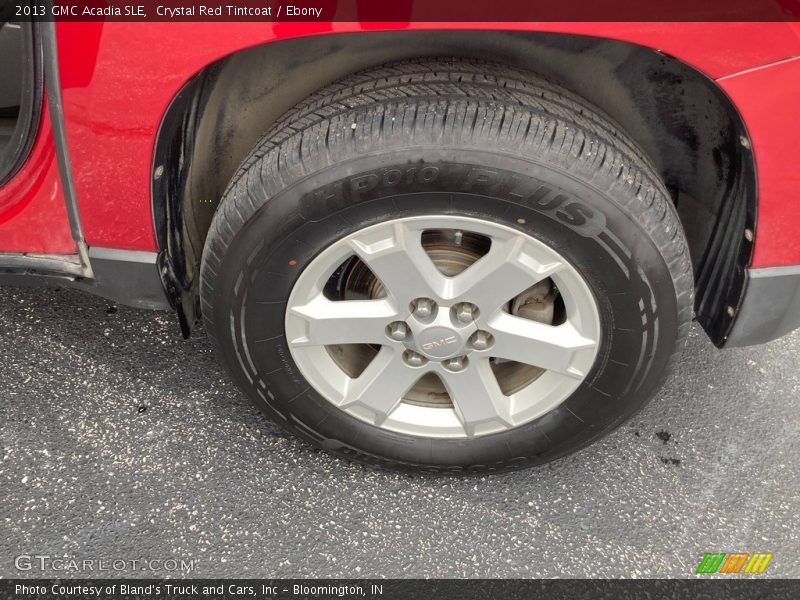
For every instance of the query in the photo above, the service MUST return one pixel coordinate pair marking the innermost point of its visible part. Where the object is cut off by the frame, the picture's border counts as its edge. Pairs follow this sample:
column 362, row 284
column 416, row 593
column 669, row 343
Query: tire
column 472, row 142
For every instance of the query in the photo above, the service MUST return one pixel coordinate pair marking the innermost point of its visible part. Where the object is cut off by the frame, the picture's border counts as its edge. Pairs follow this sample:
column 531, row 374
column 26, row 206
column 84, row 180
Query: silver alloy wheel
column 452, row 326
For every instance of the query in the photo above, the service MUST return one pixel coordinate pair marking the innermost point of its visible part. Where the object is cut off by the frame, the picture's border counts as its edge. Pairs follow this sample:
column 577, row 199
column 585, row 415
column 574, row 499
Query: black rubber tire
column 506, row 146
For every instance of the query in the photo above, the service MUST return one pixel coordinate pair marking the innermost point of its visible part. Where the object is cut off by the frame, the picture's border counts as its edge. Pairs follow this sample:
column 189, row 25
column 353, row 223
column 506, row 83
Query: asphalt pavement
column 121, row 441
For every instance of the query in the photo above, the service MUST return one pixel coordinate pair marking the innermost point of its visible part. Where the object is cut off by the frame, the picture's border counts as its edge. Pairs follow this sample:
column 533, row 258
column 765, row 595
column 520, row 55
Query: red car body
column 119, row 80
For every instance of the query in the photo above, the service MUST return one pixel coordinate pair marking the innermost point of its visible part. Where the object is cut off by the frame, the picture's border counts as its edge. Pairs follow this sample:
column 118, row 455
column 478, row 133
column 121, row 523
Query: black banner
column 389, row 589
column 400, row 10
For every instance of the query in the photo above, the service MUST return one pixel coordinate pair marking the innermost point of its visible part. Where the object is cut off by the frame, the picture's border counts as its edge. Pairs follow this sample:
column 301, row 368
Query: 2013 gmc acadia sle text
column 447, row 246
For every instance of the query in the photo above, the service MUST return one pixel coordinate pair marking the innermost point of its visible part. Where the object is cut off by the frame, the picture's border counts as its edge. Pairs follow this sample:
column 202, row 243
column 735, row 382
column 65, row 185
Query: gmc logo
column 439, row 343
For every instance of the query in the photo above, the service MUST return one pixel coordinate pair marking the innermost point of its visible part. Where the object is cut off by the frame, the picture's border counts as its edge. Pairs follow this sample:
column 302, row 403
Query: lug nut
column 481, row 340
column 423, row 307
column 465, row 312
column 459, row 363
column 397, row 331
column 413, row 359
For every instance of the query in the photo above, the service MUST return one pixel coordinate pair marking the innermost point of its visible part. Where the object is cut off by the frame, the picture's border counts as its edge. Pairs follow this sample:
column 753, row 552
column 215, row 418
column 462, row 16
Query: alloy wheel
column 442, row 326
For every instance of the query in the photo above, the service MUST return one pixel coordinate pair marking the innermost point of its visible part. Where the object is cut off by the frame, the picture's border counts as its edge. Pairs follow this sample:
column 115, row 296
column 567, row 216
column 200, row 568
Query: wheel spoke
column 382, row 384
column 551, row 347
column 508, row 269
column 395, row 255
column 477, row 397
column 343, row 322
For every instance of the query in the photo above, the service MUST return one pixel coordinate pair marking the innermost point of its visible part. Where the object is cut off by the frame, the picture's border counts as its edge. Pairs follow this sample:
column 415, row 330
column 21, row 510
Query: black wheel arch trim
column 720, row 271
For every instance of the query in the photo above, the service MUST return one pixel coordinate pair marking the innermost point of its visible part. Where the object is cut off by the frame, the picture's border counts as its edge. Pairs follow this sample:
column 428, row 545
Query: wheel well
column 682, row 120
